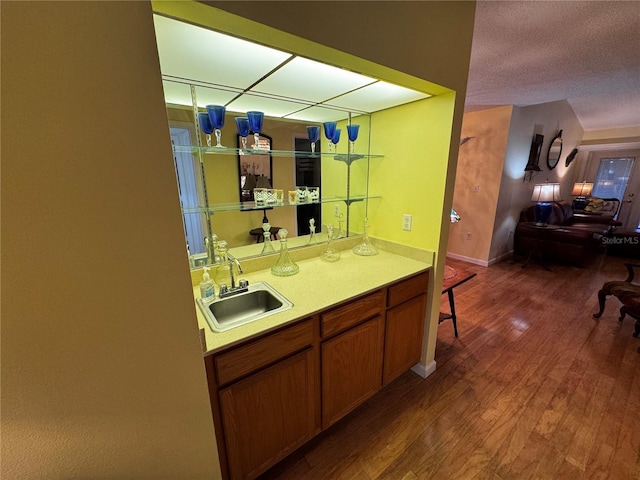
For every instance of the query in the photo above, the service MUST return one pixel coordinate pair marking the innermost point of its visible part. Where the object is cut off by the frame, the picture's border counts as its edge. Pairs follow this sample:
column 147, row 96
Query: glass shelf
column 251, row 206
column 344, row 157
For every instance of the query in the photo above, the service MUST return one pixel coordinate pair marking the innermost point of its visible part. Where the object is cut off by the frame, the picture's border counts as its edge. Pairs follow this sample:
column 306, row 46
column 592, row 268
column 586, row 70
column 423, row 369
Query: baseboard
column 500, row 257
column 475, row 261
column 424, row 370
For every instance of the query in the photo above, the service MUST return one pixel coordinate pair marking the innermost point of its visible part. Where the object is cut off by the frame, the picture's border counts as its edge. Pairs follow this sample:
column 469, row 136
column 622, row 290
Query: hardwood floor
column 534, row 387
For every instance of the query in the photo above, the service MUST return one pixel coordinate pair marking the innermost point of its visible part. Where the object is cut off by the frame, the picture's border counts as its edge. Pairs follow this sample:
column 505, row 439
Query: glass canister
column 284, row 267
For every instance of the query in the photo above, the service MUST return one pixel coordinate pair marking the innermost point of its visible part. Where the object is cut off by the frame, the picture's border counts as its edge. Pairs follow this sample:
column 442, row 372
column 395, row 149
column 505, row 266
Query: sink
column 259, row 301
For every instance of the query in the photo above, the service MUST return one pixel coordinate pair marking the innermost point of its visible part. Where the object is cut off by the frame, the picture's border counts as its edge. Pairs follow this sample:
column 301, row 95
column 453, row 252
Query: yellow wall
column 429, row 40
column 102, row 372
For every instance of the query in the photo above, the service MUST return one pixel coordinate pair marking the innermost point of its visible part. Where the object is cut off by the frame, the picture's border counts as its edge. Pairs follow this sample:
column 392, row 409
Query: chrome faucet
column 233, row 260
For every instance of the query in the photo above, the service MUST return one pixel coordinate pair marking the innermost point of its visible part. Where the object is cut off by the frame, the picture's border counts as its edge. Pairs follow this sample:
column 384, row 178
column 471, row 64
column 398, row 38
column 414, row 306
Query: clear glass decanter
column 284, row 267
column 223, row 272
column 330, row 254
column 266, row 234
column 365, row 248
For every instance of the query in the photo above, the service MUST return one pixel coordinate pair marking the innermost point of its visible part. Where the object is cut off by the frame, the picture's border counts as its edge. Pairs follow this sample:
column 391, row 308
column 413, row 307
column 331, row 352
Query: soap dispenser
column 207, row 289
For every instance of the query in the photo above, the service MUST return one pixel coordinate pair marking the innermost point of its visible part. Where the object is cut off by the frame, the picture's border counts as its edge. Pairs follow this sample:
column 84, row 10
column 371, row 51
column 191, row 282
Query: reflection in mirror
column 254, row 169
column 216, row 200
column 555, row 150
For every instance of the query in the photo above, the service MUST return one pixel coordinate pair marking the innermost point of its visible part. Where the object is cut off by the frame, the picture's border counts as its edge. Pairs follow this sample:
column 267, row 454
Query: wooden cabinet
column 268, row 415
column 351, row 368
column 404, row 326
column 265, row 397
column 271, row 394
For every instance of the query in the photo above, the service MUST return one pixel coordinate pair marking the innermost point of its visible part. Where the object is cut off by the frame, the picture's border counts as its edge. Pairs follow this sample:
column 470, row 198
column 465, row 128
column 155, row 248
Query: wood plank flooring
column 534, row 388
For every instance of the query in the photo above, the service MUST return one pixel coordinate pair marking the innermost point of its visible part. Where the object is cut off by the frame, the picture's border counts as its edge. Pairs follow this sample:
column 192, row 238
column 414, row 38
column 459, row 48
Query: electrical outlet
column 336, row 210
column 406, row 222
column 468, row 235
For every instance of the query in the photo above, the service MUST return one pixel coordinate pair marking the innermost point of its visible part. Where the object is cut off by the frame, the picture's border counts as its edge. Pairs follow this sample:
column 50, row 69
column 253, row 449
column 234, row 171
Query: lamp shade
column 582, row 189
column 546, row 192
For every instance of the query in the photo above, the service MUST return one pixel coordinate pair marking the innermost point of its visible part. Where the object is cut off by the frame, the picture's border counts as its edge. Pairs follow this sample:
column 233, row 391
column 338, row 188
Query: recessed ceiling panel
column 176, row 93
column 180, row 94
column 310, row 80
column 187, row 51
column 208, row 96
column 319, row 114
column 378, row 96
column 272, row 107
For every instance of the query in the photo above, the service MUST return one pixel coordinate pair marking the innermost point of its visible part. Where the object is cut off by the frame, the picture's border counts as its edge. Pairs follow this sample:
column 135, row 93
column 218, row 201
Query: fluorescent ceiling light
column 310, row 80
column 196, row 53
column 244, row 70
column 378, row 96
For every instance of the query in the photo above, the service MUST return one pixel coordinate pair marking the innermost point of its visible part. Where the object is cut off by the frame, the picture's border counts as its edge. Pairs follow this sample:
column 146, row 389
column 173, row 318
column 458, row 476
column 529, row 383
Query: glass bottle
column 266, row 234
column 330, row 254
column 365, row 248
column 312, row 231
column 341, row 233
column 284, row 267
column 223, row 272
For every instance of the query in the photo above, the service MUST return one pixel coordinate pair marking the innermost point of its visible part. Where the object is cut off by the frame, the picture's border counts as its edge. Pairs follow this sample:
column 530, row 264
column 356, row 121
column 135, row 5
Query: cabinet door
column 403, row 337
column 268, row 415
column 351, row 369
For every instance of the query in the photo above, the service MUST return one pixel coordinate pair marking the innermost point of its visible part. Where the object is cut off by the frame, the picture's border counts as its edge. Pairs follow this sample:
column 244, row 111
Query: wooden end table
column 536, row 250
column 461, row 276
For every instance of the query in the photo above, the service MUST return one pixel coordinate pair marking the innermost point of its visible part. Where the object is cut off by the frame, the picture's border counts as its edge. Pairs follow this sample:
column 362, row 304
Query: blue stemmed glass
column 329, row 131
column 255, row 123
column 205, row 125
column 242, row 123
column 352, row 132
column 336, row 138
column 314, row 134
column 216, row 115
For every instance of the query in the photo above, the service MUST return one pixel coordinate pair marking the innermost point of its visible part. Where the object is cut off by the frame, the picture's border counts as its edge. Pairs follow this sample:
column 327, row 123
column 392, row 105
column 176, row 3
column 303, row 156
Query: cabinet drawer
column 243, row 360
column 348, row 315
column 403, row 291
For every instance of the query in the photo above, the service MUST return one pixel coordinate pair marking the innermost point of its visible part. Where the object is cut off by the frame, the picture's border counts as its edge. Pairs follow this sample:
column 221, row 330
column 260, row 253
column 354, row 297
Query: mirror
column 254, row 170
column 555, row 150
column 216, row 185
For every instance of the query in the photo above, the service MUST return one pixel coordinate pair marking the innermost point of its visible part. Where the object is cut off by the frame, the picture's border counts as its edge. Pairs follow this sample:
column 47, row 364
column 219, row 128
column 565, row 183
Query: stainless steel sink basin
column 260, row 301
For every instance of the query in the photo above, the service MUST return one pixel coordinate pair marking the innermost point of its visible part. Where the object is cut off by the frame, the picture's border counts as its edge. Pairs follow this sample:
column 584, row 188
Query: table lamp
column 543, row 194
column 581, row 191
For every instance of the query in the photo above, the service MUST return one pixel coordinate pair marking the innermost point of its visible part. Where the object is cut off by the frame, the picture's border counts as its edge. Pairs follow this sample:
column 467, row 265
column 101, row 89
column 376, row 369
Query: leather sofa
column 570, row 237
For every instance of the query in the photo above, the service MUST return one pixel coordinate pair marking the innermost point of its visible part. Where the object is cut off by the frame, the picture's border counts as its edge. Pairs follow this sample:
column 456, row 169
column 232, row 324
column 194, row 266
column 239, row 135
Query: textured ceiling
column 531, row 52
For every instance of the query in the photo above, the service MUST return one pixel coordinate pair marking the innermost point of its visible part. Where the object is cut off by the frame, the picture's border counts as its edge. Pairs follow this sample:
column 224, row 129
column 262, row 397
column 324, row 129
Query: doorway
column 308, row 173
column 617, row 175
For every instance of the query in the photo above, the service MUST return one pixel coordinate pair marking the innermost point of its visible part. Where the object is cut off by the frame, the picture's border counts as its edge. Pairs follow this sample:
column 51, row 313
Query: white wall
column 515, row 195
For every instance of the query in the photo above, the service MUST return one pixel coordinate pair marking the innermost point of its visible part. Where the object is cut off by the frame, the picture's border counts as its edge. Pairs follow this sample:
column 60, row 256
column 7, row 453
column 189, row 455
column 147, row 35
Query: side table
column 459, row 277
column 536, row 250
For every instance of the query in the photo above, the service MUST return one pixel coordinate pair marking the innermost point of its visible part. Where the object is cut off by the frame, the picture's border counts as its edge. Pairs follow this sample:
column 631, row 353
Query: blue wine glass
column 216, row 114
column 205, row 125
column 242, row 123
column 314, row 134
column 255, row 123
column 352, row 132
column 336, row 138
column 329, row 131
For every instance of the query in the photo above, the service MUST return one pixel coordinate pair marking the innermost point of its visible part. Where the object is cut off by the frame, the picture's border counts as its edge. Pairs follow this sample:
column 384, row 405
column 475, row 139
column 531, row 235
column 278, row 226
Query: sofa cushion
column 603, row 206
